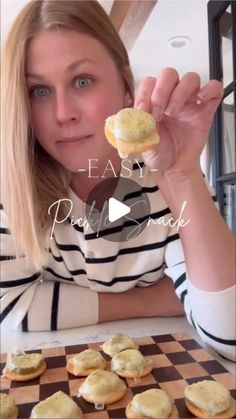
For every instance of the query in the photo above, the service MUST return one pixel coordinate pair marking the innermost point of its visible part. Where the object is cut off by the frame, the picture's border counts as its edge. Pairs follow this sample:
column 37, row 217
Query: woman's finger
column 212, row 90
column 186, row 89
column 165, row 84
column 143, row 99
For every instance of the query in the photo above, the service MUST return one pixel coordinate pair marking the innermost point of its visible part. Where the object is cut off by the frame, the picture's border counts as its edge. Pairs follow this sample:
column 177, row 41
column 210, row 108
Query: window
column 222, row 47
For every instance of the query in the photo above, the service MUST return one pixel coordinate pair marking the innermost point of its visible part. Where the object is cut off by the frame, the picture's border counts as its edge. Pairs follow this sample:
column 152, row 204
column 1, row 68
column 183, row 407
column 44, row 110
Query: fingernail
column 170, row 109
column 157, row 113
column 202, row 95
column 142, row 106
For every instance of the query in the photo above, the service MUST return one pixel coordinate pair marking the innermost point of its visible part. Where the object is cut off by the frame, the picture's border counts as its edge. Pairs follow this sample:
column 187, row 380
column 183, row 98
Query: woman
column 65, row 71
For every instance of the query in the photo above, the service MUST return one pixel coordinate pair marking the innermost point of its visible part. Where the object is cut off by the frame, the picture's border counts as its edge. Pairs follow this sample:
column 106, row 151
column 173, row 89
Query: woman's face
column 73, row 86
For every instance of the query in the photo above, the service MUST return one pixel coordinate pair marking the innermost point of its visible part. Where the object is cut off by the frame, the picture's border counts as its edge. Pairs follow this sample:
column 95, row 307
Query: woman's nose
column 66, row 109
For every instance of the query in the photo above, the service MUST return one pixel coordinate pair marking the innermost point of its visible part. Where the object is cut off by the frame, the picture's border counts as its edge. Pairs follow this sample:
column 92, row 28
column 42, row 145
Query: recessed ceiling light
column 179, row 42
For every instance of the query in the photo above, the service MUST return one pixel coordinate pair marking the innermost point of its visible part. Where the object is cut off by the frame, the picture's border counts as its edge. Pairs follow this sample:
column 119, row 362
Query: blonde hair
column 33, row 180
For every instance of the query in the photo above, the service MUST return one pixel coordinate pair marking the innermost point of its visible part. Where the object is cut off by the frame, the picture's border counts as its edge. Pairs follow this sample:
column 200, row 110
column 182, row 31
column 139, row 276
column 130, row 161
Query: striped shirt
column 80, row 264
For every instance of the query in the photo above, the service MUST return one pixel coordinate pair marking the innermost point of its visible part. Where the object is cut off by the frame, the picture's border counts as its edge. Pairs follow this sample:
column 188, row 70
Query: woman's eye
column 83, row 82
column 39, row 92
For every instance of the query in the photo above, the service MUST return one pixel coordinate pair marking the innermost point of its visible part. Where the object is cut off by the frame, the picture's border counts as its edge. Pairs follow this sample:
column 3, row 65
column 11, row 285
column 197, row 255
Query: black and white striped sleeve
column 30, row 301
column 211, row 313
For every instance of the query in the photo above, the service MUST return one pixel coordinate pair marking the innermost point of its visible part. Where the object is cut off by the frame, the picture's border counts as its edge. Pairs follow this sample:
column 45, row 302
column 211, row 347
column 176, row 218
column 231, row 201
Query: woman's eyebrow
column 71, row 67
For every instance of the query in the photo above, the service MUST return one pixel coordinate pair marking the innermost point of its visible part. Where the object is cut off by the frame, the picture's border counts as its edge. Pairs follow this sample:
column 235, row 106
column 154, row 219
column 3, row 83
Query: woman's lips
column 72, row 140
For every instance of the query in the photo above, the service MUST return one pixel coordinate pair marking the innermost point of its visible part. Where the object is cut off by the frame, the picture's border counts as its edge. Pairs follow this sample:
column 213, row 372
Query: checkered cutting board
column 178, row 361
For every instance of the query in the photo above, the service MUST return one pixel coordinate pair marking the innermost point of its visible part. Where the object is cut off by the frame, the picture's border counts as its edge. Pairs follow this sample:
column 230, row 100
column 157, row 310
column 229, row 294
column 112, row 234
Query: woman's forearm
column 209, row 246
column 157, row 300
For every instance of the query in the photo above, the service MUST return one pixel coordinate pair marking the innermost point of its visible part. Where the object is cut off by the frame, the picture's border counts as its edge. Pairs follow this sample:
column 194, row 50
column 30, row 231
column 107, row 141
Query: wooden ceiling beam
column 119, row 11
column 129, row 18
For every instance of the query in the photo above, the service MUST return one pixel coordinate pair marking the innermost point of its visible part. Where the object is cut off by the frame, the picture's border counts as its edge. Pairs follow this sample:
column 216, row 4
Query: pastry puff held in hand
column 131, row 131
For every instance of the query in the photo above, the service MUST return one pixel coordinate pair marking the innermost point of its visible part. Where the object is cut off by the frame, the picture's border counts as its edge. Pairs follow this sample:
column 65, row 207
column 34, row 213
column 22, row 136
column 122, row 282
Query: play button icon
column 116, row 209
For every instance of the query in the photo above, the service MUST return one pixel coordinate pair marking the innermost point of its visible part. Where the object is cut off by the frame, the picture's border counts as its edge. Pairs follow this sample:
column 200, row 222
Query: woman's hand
column 184, row 114
column 156, row 300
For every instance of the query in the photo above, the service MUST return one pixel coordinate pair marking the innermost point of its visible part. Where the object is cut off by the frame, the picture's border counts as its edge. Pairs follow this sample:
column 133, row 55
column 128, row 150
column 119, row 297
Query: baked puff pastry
column 59, row 405
column 131, row 364
column 209, row 399
column 117, row 343
column 102, row 387
column 86, row 362
column 24, row 367
column 8, row 408
column 153, row 403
